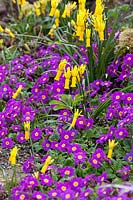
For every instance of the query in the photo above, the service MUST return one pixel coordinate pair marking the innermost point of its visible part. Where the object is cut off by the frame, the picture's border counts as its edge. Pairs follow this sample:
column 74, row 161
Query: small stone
column 2, row 7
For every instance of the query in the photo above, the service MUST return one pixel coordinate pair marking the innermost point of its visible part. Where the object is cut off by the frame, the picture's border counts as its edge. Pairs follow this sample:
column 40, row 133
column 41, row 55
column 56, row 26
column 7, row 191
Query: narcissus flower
column 76, row 115
column 17, row 92
column 46, row 164
column 13, row 154
column 67, row 74
column 112, row 145
column 27, row 130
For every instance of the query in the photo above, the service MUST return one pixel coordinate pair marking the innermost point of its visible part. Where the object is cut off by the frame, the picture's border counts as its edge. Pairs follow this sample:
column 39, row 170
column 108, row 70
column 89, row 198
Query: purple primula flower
column 53, row 194
column 28, row 165
column 62, row 186
column 104, row 192
column 99, row 154
column 121, row 133
column 46, row 145
column 94, row 161
column 80, row 122
column 128, row 59
column 86, row 193
column 36, row 134
column 3, row 132
column 21, row 138
column 76, row 183
column 117, row 96
column 128, row 98
column 16, row 128
column 67, row 195
column 102, row 178
column 80, row 157
column 129, row 156
column 22, row 196
column 66, row 135
column 110, row 114
column 30, row 182
column 124, row 172
column 37, row 195
column 7, row 143
column 46, row 180
column 74, row 148
column 89, row 123
column 66, row 171
column 63, row 146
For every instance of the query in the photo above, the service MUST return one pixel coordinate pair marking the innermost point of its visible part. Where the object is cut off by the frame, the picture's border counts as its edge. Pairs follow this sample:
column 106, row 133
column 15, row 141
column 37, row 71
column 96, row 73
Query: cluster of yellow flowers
column 8, row 31
column 98, row 19
column 27, row 130
column 76, row 74
column 13, row 154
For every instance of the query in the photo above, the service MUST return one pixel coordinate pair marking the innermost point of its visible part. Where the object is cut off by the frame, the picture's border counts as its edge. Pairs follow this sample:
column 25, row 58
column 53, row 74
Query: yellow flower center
column 129, row 98
column 80, row 157
column 38, row 196
column 54, row 194
column 75, row 183
column 43, row 97
column 67, row 196
column 67, row 172
column 130, row 158
column 22, row 196
column 7, row 143
column 120, row 133
column 63, row 188
column 74, row 149
column 117, row 97
column 95, row 161
column 46, row 180
column 66, row 136
column 36, row 133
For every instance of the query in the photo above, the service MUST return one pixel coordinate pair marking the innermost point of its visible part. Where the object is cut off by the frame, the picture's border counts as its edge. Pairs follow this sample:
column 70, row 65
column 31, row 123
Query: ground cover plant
column 66, row 102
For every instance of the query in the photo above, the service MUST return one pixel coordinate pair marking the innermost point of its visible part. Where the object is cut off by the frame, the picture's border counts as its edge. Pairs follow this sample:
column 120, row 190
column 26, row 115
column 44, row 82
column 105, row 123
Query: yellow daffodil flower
column 76, row 115
column 27, row 130
column 46, row 164
column 13, row 154
column 112, row 145
column 67, row 74
column 17, row 92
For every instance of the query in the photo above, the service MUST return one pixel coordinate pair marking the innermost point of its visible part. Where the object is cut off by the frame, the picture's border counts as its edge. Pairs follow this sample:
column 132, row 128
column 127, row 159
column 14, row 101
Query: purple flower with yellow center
column 37, row 195
column 46, row 145
column 3, row 132
column 43, row 79
column 76, row 183
column 86, row 193
column 94, row 161
column 16, row 128
column 104, row 192
column 43, row 96
column 128, row 59
column 66, row 171
column 46, row 180
column 128, row 98
column 21, row 138
column 31, row 182
column 65, row 113
column 62, row 186
column 99, row 154
column 124, row 172
column 22, row 196
column 74, row 148
column 129, row 156
column 89, row 123
column 66, row 135
column 36, row 134
column 117, row 96
column 102, row 178
column 28, row 165
column 80, row 122
column 121, row 133
column 110, row 114
column 80, row 157
column 63, row 145
column 68, row 195
column 7, row 143
column 54, row 145
column 53, row 194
